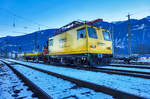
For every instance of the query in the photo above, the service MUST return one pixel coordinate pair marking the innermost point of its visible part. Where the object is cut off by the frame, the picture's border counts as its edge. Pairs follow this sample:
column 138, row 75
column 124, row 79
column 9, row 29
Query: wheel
column 77, row 62
column 127, row 61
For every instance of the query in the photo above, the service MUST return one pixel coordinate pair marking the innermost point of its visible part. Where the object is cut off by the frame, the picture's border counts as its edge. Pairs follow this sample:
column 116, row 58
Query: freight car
column 37, row 56
column 79, row 43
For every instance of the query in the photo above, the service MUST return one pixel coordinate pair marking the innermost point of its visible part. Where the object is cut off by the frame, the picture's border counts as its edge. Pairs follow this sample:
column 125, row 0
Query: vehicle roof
column 77, row 27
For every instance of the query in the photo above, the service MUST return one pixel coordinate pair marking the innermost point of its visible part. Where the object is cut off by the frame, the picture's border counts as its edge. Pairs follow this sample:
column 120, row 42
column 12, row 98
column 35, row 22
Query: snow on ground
column 58, row 88
column 11, row 86
column 130, row 65
column 9, row 62
column 133, row 85
column 144, row 60
column 126, row 68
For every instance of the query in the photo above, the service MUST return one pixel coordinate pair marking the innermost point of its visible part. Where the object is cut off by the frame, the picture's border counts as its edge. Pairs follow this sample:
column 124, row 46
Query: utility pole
column 35, row 42
column 129, row 35
column 19, row 54
column 38, row 43
column 113, row 40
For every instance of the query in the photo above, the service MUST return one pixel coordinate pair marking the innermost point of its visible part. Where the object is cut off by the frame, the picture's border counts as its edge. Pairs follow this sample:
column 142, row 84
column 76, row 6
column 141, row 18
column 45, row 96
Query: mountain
column 140, row 38
column 26, row 42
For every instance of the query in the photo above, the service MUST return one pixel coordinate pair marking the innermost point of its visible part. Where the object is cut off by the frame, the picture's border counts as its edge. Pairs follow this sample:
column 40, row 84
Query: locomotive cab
column 99, row 40
column 99, row 45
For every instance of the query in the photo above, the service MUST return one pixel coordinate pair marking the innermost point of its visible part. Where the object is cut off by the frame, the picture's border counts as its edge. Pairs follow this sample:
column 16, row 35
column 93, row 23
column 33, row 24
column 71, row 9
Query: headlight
column 93, row 46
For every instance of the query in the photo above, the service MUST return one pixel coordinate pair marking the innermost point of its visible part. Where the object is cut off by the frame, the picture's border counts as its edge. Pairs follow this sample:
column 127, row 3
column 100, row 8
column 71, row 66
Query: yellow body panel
column 32, row 54
column 72, row 45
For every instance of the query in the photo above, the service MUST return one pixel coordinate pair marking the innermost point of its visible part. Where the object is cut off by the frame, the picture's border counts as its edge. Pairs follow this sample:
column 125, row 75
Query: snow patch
column 139, row 28
column 42, row 33
column 12, row 45
column 58, row 88
column 119, row 43
column 11, row 87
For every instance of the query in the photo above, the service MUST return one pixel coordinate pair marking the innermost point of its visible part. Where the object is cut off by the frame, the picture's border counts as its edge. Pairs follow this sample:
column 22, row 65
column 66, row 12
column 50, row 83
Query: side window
column 81, row 33
column 62, row 43
column 51, row 42
column 63, row 40
column 106, row 36
column 92, row 32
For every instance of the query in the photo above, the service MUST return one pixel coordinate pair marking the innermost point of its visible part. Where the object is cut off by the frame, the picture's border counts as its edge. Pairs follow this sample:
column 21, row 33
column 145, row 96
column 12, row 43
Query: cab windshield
column 92, row 32
column 106, row 36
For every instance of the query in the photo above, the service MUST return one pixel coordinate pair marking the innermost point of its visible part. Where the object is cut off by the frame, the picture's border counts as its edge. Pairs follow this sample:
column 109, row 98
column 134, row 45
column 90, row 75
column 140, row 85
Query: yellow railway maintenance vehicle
column 80, row 43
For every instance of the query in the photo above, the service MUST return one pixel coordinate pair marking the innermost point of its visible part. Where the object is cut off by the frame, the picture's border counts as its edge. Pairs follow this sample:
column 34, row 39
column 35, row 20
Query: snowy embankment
column 11, row 86
column 58, row 88
column 133, row 85
column 126, row 68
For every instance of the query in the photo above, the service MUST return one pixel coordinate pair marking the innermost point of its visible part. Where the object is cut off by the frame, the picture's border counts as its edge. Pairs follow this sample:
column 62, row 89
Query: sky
column 20, row 17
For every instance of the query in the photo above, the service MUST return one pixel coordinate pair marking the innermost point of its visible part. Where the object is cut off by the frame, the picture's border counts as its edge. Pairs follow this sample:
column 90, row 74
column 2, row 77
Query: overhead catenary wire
column 15, row 17
column 21, row 27
column 25, row 19
column 140, row 11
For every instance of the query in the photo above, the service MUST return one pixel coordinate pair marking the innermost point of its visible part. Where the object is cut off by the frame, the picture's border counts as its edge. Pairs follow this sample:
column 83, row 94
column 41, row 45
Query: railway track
column 79, row 88
column 114, row 71
column 131, row 66
column 37, row 91
column 123, row 72
column 116, row 93
column 117, row 71
column 139, row 74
